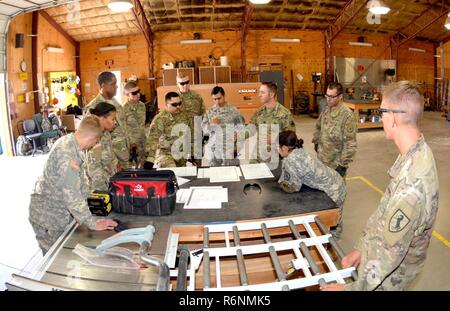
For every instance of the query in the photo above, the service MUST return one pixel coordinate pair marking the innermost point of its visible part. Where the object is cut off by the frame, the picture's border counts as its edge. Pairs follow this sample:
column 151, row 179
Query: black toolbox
column 143, row 192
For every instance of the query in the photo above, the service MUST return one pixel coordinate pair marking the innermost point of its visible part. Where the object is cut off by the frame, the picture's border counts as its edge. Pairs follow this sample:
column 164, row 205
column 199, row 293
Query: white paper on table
column 256, row 171
column 203, row 173
column 181, row 171
column 223, row 174
column 183, row 195
column 181, row 181
column 206, row 198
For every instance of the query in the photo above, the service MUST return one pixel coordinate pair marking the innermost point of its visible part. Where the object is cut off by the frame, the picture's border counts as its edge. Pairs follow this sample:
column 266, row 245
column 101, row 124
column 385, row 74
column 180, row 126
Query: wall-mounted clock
column 23, row 66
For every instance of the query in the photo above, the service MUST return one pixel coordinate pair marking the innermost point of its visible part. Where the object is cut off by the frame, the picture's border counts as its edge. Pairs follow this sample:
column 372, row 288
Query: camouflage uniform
column 60, row 193
column 230, row 120
column 160, row 140
column 278, row 115
column 135, row 124
column 193, row 104
column 119, row 134
column 394, row 243
column 300, row 167
column 100, row 163
column 335, row 135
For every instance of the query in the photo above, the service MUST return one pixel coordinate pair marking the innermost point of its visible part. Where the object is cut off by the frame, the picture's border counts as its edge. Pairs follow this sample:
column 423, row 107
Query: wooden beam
column 55, row 25
column 446, row 39
column 427, row 18
column 280, row 11
column 144, row 25
column 34, row 60
column 344, row 17
column 248, row 11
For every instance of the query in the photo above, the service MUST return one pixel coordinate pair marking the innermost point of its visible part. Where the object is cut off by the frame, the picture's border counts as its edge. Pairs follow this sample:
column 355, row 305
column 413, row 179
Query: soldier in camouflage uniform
column 100, row 159
column 299, row 168
column 161, row 139
column 220, row 123
column 271, row 113
column 393, row 246
column 134, row 111
column 335, row 135
column 192, row 102
column 60, row 193
column 108, row 88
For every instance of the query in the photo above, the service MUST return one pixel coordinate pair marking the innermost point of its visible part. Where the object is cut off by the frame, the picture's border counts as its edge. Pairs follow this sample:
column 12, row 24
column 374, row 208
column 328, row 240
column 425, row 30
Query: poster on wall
column 63, row 88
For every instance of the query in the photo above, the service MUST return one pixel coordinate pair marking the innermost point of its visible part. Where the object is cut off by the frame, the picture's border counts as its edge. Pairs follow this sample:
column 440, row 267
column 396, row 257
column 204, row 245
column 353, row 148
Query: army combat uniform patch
column 398, row 221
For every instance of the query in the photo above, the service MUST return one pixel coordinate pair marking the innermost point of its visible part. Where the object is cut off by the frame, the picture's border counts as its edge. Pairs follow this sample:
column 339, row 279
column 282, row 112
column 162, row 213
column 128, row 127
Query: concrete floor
column 367, row 177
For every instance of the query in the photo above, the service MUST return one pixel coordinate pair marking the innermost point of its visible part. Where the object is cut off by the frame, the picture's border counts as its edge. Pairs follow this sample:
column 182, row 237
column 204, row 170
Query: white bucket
column 223, row 61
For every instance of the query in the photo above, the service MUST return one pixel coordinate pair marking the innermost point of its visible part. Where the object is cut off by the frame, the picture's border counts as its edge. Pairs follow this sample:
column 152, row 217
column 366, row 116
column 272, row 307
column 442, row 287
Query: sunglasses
column 331, row 96
column 177, row 104
column 184, row 83
column 135, row 92
column 383, row 110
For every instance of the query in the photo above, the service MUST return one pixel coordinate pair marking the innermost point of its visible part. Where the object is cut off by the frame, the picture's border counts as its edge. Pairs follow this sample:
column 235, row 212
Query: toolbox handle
column 129, row 198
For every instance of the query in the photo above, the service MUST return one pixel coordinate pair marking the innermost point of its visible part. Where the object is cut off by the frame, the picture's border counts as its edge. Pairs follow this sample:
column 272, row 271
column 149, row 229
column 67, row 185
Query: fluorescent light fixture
column 447, row 22
column 113, row 47
column 259, row 1
column 417, row 50
column 199, row 41
column 360, row 43
column 52, row 49
column 437, row 56
column 378, row 7
column 120, row 5
column 292, row 40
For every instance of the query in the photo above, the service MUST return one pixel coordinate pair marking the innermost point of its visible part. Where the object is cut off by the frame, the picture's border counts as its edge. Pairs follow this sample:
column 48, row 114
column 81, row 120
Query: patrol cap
column 182, row 79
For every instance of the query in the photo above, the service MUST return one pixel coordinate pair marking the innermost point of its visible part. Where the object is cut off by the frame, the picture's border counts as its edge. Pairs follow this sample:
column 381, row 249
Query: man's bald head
column 405, row 95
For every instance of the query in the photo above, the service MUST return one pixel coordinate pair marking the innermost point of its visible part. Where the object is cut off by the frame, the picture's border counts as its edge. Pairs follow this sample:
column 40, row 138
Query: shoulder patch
column 398, row 221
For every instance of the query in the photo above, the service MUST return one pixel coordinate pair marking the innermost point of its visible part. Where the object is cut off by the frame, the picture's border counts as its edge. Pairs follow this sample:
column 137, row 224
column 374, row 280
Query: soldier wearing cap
column 134, row 111
column 169, row 141
column 107, row 83
column 271, row 116
column 392, row 249
column 60, row 193
column 220, row 123
column 335, row 135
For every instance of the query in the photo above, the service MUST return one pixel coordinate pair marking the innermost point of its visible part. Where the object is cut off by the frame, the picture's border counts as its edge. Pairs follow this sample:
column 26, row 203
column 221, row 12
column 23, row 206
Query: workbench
column 61, row 269
column 356, row 106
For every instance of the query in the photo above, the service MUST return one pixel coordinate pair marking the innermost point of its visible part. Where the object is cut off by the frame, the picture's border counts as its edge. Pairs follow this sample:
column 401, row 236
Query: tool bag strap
column 133, row 202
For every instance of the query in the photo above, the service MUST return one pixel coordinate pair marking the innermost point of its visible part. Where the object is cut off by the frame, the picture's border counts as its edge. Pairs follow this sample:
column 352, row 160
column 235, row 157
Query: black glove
column 316, row 147
column 148, row 165
column 341, row 170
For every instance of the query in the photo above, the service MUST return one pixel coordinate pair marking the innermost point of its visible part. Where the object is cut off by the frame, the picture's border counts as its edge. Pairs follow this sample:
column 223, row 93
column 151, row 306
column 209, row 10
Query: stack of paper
column 256, row 171
column 220, row 173
column 223, row 174
column 181, row 171
column 202, row 197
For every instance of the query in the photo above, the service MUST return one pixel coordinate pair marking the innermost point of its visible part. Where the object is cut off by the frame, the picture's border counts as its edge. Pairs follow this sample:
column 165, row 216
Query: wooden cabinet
column 214, row 74
column 357, row 106
column 170, row 75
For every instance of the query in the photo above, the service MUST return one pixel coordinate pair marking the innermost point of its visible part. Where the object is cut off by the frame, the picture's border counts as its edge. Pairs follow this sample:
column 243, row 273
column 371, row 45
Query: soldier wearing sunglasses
column 134, row 111
column 192, row 102
column 159, row 142
column 392, row 249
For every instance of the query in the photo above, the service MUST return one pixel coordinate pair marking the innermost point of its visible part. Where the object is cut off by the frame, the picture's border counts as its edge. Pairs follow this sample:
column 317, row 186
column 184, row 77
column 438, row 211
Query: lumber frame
column 248, row 11
column 144, row 26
